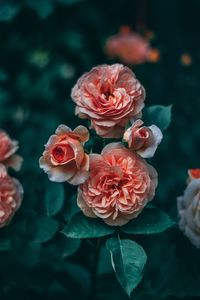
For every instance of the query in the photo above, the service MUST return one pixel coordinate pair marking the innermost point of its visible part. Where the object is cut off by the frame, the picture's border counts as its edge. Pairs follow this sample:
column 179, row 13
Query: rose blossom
column 120, row 185
column 189, row 208
column 64, row 158
column 143, row 140
column 11, row 193
column 194, row 174
column 109, row 96
column 8, row 148
column 129, row 46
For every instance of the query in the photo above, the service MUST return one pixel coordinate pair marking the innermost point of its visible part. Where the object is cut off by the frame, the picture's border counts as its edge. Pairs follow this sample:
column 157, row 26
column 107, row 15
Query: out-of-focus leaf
column 71, row 207
column 43, row 7
column 159, row 115
column 54, row 198
column 42, row 228
column 5, row 244
column 68, row 246
column 8, row 10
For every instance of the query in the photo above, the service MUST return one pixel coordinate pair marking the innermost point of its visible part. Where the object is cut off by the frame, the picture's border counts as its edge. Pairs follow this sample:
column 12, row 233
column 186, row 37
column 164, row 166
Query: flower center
column 144, row 133
column 62, row 153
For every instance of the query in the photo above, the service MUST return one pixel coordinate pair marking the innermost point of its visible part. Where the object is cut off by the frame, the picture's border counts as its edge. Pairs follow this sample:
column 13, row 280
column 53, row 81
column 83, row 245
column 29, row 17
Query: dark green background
column 44, row 47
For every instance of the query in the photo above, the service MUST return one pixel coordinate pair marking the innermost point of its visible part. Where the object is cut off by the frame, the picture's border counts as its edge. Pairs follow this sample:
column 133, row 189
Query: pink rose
column 64, row 158
column 8, row 148
column 120, row 185
column 143, row 140
column 129, row 46
column 109, row 96
column 11, row 193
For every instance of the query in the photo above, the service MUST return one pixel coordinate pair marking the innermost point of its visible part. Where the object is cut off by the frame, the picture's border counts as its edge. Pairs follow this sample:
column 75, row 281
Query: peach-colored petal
column 8, row 148
column 82, row 174
column 64, row 158
column 143, row 140
column 109, row 96
column 119, row 185
column 3, row 171
column 151, row 148
column 15, row 162
column 11, row 194
column 112, row 146
column 83, row 206
column 52, row 140
column 62, row 173
column 63, row 129
column 82, row 133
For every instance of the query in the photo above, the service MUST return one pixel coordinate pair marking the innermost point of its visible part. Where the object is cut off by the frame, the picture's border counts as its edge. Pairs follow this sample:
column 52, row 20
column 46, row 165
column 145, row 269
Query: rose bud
column 8, row 148
column 143, row 140
column 189, row 210
column 64, row 158
column 119, row 186
column 11, row 194
column 109, row 96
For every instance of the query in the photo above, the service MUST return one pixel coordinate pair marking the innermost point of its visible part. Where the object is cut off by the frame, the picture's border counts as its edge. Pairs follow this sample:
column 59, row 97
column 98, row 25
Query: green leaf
column 68, row 246
column 42, row 228
column 151, row 220
column 8, row 11
column 81, row 226
column 71, row 207
column 5, row 244
column 43, row 7
column 54, row 198
column 128, row 260
column 159, row 115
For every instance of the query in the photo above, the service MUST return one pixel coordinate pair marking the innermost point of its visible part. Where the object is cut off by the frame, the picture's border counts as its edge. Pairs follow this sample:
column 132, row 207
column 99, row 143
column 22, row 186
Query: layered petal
column 119, row 186
column 11, row 194
column 8, row 148
column 143, row 140
column 109, row 96
column 64, row 158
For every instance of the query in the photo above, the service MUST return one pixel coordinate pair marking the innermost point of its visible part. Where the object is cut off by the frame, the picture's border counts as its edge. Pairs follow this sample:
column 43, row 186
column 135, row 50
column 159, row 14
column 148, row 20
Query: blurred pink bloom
column 186, row 59
column 8, row 148
column 64, row 158
column 120, row 185
column 11, row 193
column 143, row 140
column 109, row 96
column 130, row 47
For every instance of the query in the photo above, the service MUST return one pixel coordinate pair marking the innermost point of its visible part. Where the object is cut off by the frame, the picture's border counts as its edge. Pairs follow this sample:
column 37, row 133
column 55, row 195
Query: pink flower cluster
column 116, row 184
column 11, row 191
